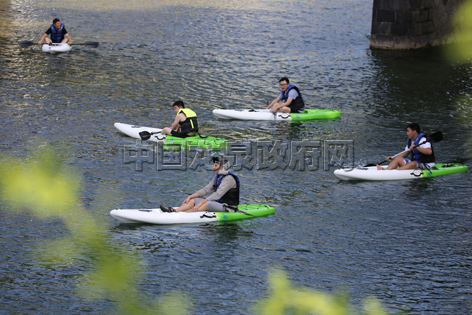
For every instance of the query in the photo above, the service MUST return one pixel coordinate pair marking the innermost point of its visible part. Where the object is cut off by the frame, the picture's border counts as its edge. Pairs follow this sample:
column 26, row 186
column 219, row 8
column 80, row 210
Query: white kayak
column 157, row 216
column 56, row 48
column 266, row 114
column 171, row 142
column 372, row 173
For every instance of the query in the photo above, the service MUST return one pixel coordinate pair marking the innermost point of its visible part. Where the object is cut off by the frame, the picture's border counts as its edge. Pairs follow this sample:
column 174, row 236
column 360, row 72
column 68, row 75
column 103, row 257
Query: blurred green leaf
column 285, row 299
column 461, row 48
column 44, row 185
column 373, row 307
column 41, row 184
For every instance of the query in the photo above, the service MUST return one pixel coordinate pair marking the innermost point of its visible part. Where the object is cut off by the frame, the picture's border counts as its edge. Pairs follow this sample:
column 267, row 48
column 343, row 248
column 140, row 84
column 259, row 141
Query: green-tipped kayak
column 170, row 142
column 371, row 172
column 156, row 216
column 265, row 114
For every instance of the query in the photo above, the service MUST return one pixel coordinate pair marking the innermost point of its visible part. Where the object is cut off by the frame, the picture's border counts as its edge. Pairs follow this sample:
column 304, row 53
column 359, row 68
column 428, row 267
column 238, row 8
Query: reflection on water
column 137, row 6
column 407, row 242
column 417, row 79
column 6, row 17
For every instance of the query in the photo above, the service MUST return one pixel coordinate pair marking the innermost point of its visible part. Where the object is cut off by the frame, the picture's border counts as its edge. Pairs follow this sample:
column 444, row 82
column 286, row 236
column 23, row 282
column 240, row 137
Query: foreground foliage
column 461, row 51
column 45, row 186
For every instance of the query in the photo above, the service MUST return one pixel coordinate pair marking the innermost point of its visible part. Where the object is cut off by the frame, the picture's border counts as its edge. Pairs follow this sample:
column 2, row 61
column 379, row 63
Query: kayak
column 266, row 114
column 56, row 48
column 371, row 172
column 156, row 216
column 170, row 141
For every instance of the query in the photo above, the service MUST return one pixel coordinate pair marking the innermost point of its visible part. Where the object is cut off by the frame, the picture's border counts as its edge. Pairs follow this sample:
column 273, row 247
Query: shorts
column 297, row 110
column 422, row 166
column 178, row 134
column 213, row 206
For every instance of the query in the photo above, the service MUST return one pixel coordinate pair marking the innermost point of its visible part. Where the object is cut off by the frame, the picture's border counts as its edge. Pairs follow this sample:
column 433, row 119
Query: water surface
column 408, row 242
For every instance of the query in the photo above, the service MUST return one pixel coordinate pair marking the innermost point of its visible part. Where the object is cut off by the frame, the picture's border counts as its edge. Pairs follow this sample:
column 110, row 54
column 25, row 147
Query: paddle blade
column 145, row 135
column 87, row 44
column 92, row 44
column 435, row 137
column 25, row 43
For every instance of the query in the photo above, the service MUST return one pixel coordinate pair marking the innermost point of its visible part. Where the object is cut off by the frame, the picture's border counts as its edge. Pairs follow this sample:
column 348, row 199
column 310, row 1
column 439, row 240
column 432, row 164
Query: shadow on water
column 218, row 227
column 159, row 238
column 412, row 83
column 413, row 86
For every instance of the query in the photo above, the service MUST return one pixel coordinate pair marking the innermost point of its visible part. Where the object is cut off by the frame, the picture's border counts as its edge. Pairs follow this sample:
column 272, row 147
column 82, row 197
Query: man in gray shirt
column 292, row 100
column 224, row 190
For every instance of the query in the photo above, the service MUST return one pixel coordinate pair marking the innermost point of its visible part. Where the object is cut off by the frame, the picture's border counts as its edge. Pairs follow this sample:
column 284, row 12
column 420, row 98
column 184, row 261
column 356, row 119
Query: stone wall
column 411, row 24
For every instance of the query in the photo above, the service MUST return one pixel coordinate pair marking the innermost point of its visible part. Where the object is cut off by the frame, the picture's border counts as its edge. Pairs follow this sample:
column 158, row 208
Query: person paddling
column 224, row 188
column 58, row 33
column 291, row 97
column 185, row 123
column 420, row 150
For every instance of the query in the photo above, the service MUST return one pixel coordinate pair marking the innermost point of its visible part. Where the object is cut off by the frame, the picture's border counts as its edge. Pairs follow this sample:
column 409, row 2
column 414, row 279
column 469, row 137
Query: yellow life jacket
column 190, row 124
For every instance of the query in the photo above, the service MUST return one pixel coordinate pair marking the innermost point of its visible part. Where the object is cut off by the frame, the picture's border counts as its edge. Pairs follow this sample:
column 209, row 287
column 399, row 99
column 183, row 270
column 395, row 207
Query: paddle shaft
column 435, row 137
column 91, row 44
column 403, row 152
column 146, row 135
column 274, row 113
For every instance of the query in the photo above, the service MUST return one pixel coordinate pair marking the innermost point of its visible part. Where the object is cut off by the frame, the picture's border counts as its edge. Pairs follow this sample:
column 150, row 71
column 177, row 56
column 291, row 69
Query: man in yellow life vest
column 185, row 123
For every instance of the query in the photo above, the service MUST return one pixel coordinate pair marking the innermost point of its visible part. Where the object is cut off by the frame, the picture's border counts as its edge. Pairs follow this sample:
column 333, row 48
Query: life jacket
column 298, row 102
column 232, row 196
column 417, row 155
column 190, row 124
column 56, row 35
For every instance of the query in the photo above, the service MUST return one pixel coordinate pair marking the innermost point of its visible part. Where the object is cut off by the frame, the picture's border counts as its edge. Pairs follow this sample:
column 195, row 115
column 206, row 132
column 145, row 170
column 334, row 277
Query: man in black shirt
column 58, row 33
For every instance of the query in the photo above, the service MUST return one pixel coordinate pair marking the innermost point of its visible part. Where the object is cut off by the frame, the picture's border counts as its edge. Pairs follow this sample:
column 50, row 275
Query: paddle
column 146, row 135
column 235, row 209
column 28, row 43
column 275, row 113
column 266, row 110
column 434, row 137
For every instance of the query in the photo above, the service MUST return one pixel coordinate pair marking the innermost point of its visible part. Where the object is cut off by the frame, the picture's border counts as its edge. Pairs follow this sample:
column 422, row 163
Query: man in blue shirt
column 291, row 97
